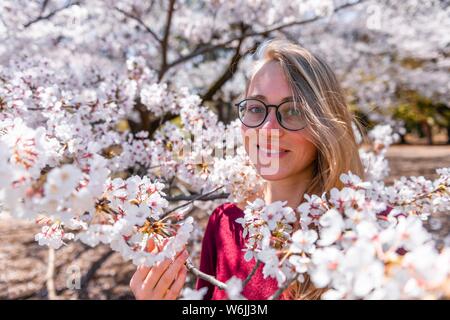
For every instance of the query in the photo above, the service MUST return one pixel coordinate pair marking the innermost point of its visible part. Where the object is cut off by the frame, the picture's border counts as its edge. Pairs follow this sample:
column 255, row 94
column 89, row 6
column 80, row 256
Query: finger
column 139, row 276
column 168, row 276
column 177, row 285
column 143, row 269
column 155, row 274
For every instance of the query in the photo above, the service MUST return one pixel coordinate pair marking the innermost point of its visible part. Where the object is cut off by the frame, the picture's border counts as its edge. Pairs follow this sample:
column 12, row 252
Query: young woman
column 292, row 98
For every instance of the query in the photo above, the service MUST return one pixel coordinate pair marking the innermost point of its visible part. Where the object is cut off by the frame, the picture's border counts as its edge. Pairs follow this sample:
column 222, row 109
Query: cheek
column 305, row 151
column 248, row 135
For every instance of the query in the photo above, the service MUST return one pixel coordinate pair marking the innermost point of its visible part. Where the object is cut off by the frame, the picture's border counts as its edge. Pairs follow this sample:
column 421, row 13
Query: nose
column 271, row 126
column 271, row 121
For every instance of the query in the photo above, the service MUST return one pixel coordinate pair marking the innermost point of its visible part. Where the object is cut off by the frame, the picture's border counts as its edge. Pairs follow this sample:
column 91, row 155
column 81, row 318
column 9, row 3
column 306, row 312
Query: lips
column 267, row 150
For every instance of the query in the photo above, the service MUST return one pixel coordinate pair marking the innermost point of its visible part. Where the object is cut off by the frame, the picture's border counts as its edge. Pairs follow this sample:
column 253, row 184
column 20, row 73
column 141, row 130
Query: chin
column 278, row 175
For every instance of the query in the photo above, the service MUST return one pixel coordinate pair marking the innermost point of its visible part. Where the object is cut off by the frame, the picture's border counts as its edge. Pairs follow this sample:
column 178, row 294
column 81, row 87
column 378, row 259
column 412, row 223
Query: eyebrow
column 259, row 96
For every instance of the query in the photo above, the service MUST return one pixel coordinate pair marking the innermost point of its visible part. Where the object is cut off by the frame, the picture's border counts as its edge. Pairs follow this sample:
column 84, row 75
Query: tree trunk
column 427, row 130
column 448, row 134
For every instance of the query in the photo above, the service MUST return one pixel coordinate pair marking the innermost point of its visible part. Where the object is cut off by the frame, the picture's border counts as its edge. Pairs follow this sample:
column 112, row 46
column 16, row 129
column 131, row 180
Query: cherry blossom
column 353, row 245
column 192, row 294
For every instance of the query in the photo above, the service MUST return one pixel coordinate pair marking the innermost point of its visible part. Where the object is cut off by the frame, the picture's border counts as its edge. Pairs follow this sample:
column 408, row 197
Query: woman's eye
column 293, row 112
column 256, row 109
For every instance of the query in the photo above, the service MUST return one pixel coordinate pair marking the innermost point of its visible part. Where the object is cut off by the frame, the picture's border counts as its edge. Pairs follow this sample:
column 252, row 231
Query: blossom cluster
column 79, row 199
column 70, row 161
column 365, row 241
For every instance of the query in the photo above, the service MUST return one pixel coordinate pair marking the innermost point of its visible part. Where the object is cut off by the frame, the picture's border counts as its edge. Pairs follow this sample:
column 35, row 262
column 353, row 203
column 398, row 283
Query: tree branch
column 141, row 22
column 165, row 40
column 199, row 197
column 196, row 197
column 146, row 123
column 44, row 5
column 251, row 274
column 301, row 22
column 226, row 75
column 49, row 15
column 153, row 125
column 280, row 290
column 200, row 51
column 259, row 33
column 199, row 274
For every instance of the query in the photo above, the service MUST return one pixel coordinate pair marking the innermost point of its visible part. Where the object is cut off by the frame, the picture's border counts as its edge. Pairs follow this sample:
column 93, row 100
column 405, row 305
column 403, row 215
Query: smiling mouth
column 269, row 151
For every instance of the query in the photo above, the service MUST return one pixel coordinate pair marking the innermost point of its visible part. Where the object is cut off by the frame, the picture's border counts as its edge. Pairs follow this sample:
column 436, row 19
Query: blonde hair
column 329, row 121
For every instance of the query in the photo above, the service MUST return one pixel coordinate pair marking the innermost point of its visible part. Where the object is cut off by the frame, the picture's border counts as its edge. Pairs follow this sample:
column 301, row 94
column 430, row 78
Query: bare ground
column 23, row 263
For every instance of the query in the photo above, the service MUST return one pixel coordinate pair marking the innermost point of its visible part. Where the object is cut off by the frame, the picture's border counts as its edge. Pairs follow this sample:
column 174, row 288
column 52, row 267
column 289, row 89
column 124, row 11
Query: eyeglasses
column 253, row 113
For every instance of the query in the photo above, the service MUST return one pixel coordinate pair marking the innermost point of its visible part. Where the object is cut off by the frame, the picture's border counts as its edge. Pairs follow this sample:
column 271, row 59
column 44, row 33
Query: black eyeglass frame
column 266, row 106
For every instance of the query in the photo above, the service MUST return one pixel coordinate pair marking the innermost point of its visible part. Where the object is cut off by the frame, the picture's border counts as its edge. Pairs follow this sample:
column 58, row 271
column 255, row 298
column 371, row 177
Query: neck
column 290, row 189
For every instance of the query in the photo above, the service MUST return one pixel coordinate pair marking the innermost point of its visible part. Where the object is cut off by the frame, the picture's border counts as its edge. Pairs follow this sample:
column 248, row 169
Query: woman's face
column 276, row 152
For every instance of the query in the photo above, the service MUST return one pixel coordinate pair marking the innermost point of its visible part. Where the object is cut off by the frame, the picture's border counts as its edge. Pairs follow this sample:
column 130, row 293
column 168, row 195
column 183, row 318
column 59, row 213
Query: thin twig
column 259, row 33
column 44, row 5
column 141, row 22
column 252, row 273
column 199, row 197
column 199, row 274
column 200, row 51
column 280, row 290
column 226, row 75
column 301, row 22
column 441, row 188
column 183, row 197
column 49, row 15
column 165, row 40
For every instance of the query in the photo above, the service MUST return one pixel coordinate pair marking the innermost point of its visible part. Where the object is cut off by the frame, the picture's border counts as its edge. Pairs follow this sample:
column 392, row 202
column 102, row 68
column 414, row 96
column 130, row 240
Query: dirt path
column 417, row 160
column 23, row 263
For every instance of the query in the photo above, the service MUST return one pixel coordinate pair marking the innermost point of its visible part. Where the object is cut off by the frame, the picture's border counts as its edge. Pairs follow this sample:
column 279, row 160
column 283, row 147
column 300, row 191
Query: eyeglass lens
column 253, row 113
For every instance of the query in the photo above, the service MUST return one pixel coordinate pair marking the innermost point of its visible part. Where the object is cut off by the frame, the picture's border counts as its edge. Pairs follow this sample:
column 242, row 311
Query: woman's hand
column 163, row 281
